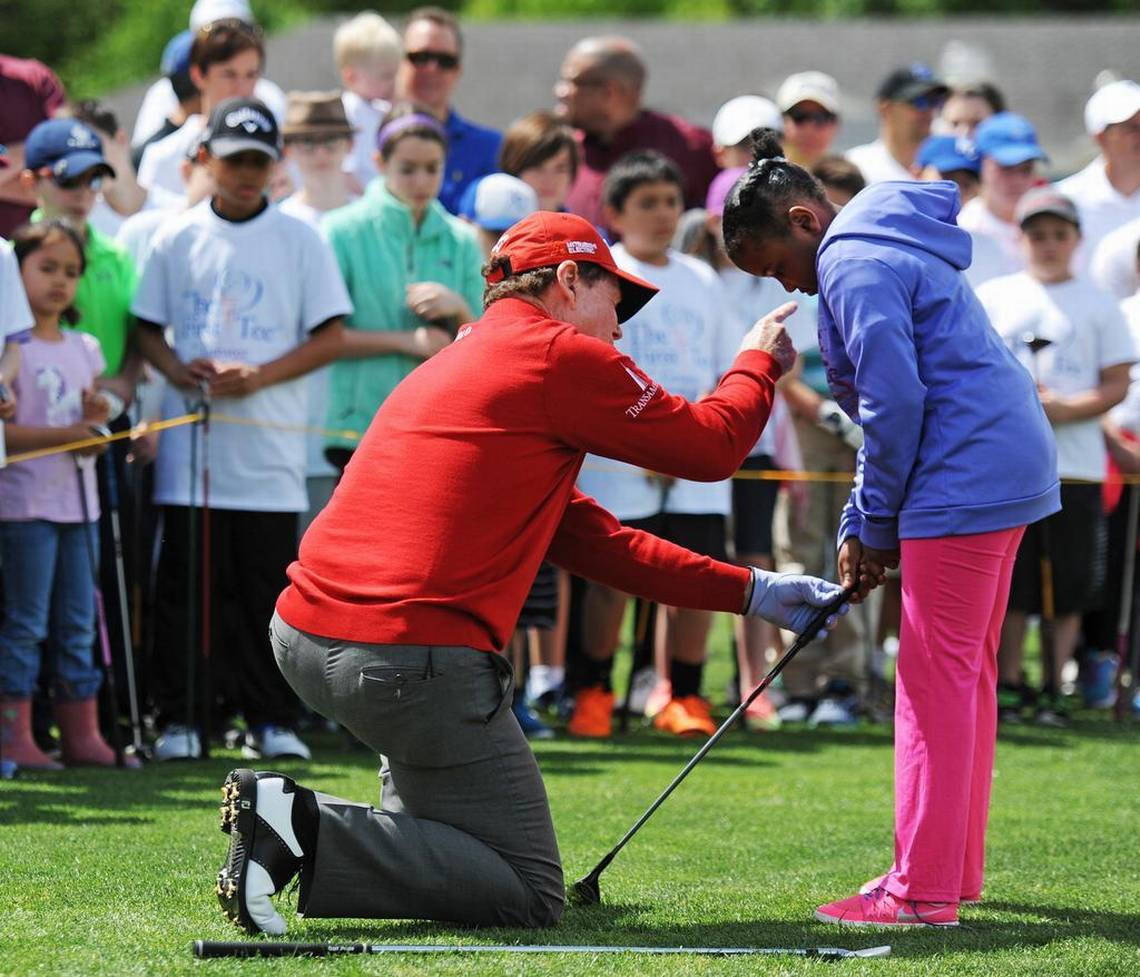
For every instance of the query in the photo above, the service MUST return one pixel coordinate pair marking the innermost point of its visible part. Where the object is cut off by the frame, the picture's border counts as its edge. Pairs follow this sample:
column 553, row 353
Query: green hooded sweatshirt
column 380, row 252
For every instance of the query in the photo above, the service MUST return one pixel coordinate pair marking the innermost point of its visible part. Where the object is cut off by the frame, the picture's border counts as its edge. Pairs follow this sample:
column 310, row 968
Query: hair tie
column 390, row 130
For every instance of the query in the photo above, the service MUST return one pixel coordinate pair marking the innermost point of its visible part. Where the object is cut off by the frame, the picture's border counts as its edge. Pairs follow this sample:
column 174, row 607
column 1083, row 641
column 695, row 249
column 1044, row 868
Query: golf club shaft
column 1124, row 620
column 206, row 949
column 814, row 627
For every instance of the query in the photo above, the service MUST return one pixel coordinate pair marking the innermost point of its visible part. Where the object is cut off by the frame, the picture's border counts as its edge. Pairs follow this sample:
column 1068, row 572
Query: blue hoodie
column 955, row 439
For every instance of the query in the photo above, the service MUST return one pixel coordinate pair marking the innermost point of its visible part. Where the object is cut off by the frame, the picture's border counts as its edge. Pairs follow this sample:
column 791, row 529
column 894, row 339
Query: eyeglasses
column 88, row 181
column 804, row 117
column 444, row 60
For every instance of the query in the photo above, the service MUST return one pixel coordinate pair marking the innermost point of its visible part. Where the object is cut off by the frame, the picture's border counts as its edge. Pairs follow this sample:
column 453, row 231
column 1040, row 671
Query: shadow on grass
column 623, row 925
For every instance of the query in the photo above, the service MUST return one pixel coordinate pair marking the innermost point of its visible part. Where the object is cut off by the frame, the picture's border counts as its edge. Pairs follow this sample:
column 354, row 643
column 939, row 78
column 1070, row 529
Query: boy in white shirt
column 685, row 342
column 255, row 301
column 367, row 50
column 1082, row 372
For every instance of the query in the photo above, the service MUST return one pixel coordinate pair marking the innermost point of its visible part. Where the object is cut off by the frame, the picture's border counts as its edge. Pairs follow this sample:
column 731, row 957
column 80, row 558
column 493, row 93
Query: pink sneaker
column 880, row 908
column 868, row 887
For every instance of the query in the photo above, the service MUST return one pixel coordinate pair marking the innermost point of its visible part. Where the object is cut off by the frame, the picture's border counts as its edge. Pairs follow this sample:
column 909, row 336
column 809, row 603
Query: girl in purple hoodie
column 957, row 459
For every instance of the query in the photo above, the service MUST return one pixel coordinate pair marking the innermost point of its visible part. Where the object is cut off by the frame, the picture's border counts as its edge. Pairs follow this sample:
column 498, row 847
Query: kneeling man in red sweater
column 411, row 579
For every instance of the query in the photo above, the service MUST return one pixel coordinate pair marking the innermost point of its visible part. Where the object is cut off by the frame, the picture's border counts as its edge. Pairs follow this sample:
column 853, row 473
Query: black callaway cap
column 241, row 124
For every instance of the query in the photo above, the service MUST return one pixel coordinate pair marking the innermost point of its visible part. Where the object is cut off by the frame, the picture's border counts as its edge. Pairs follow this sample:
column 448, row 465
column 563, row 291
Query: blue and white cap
column 67, row 147
column 949, row 153
column 498, row 201
column 1009, row 139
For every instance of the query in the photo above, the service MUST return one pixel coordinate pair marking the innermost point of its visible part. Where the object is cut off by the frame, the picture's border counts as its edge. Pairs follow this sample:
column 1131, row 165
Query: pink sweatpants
column 954, row 593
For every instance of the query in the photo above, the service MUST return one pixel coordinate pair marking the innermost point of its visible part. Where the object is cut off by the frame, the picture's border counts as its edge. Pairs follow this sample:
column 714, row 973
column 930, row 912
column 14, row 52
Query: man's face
column 962, row 114
column 235, row 78
column 71, row 200
column 593, row 309
column 583, row 93
column 431, row 65
column 809, row 129
column 1121, row 142
column 1048, row 243
column 1004, row 186
column 910, row 120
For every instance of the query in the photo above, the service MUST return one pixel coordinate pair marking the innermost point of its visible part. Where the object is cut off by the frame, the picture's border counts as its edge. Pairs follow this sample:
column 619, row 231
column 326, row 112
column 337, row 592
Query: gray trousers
column 463, row 833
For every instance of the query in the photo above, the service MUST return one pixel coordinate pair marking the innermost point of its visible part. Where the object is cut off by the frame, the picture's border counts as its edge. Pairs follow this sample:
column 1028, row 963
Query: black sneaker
column 1010, row 701
column 259, row 812
column 1052, row 710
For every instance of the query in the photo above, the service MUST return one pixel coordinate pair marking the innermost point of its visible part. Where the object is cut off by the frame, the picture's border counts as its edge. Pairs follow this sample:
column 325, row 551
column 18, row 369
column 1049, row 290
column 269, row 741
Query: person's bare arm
column 152, row 344
column 802, row 401
column 1111, row 390
column 12, row 190
column 241, row 379
column 123, row 194
column 421, row 343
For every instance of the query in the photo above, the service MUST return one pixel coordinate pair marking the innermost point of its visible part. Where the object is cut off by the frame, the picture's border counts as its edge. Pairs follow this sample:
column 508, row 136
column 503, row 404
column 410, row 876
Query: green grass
column 106, row 872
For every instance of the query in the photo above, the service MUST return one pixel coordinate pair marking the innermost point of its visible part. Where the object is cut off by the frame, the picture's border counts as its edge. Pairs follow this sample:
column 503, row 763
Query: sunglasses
column 443, row 60
column 924, row 102
column 88, row 181
column 803, row 116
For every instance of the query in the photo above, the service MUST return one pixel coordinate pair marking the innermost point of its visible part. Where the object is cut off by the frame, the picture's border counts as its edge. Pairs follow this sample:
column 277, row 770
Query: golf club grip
column 814, row 626
column 209, row 949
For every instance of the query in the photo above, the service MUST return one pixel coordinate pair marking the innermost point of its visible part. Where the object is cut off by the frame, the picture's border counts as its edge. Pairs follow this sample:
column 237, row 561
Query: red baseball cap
column 545, row 238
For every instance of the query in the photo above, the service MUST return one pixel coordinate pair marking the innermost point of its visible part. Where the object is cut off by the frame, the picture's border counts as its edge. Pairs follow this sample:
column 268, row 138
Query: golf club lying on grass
column 585, row 892
column 207, row 949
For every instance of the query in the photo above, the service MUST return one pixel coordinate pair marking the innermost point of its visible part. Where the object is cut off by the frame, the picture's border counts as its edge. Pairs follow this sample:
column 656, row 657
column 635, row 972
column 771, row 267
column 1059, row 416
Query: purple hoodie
column 955, row 439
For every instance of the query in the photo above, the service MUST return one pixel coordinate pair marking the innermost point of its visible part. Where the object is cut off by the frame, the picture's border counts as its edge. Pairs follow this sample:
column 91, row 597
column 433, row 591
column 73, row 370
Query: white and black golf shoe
column 260, row 811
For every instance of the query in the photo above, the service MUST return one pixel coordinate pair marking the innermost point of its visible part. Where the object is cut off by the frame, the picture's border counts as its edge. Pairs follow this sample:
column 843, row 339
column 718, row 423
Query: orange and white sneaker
column 880, row 908
column 688, row 716
column 593, row 714
column 868, row 887
column 761, row 714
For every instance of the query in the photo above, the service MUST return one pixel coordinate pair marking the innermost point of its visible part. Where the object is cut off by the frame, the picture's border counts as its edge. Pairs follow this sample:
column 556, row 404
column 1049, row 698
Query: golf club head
column 586, row 892
column 1035, row 343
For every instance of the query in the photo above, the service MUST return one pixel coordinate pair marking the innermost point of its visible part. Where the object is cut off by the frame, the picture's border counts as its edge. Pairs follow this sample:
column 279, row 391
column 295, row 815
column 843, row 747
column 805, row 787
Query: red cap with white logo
column 545, row 238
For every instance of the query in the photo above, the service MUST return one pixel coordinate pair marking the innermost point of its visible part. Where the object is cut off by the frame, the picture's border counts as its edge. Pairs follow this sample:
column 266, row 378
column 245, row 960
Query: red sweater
column 464, row 482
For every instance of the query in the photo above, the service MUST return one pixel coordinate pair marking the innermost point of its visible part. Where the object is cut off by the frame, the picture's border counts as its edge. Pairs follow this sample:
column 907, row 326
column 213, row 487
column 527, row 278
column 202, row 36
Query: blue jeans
column 49, row 596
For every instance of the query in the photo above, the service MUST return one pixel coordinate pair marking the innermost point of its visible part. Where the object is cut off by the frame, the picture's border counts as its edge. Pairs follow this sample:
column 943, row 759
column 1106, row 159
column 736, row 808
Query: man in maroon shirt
column 599, row 92
column 30, row 92
column 410, row 581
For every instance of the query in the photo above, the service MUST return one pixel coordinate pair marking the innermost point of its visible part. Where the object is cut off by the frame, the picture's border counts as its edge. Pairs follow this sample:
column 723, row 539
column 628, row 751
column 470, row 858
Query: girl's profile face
column 413, row 173
column 51, row 274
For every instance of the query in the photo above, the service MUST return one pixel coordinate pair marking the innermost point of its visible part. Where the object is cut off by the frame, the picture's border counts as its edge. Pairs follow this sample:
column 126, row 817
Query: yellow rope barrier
column 146, row 427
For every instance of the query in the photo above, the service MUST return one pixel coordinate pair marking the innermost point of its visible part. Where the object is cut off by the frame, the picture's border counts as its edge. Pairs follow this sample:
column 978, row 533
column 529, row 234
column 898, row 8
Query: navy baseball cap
column 67, row 147
column 1008, row 139
column 949, row 153
column 176, row 55
column 913, row 81
column 240, row 124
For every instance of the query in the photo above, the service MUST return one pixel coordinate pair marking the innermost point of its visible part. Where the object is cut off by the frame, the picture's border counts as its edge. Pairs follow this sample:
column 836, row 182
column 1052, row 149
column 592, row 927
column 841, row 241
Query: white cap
column 498, row 201
column 207, row 11
column 739, row 116
column 809, row 86
column 1115, row 102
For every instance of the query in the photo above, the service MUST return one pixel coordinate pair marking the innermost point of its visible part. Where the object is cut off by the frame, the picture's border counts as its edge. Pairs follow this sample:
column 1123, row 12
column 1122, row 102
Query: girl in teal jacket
column 412, row 269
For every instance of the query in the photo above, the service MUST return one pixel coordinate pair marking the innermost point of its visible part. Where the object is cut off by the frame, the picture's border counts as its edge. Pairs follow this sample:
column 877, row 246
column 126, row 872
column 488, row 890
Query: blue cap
column 176, row 55
column 949, row 153
column 68, row 147
column 1008, row 139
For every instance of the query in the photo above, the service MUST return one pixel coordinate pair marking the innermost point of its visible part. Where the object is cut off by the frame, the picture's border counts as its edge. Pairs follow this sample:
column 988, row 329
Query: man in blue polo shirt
column 428, row 74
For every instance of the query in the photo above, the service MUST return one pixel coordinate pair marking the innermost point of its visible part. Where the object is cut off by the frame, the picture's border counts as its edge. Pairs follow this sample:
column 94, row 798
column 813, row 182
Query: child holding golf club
column 956, row 460
column 1072, row 338
column 49, row 590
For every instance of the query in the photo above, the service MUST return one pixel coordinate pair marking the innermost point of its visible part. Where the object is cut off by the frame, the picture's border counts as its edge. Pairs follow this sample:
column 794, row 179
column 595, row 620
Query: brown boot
column 16, row 742
column 83, row 744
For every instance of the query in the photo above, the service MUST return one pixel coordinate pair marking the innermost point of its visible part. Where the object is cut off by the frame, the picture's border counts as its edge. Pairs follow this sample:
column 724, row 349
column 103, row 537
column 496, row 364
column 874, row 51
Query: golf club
column 1035, row 344
column 100, row 615
column 204, row 624
column 209, row 949
column 586, row 890
column 1124, row 620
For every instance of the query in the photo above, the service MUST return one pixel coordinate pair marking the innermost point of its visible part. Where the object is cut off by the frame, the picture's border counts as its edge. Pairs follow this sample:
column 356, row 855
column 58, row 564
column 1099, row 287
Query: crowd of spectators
column 279, row 262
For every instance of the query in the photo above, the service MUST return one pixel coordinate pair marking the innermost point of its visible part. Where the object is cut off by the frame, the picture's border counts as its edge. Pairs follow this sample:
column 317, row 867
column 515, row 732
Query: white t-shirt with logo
column 244, row 292
column 997, row 243
column 1088, row 334
column 877, row 164
column 1101, row 206
column 1115, row 266
column 684, row 340
column 15, row 316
